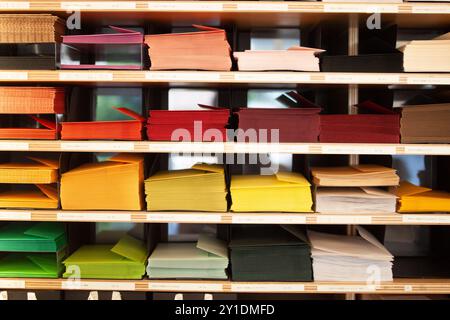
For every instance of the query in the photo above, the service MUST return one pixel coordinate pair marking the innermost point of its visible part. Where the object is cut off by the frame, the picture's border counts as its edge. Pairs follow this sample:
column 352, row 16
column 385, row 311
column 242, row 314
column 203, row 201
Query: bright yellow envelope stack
column 419, row 199
column 41, row 197
column 42, row 171
column 201, row 188
column 285, row 192
column 116, row 184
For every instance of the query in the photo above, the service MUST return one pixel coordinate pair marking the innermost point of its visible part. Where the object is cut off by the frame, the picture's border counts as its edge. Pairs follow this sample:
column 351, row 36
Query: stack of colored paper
column 426, row 123
column 364, row 175
column 201, row 188
column 349, row 258
column 419, row 199
column 40, row 197
column 206, row 259
column 32, row 250
column 295, row 58
column 31, row 100
column 115, row 184
column 124, row 260
column 285, row 192
column 105, row 130
column 207, row 49
column 361, row 128
column 269, row 253
column 47, row 130
column 193, row 125
column 30, row 28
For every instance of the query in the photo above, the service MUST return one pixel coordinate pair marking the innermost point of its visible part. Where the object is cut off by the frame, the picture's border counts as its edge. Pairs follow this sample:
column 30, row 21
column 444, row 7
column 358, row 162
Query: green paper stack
column 125, row 260
column 32, row 250
column 206, row 259
column 269, row 253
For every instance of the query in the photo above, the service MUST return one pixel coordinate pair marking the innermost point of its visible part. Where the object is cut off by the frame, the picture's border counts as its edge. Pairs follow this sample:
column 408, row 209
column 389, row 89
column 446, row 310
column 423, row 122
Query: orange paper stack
column 207, row 49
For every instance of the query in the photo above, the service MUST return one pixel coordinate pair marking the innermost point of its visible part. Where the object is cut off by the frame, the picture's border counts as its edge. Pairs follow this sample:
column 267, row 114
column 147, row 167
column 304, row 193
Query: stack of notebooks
column 413, row 198
column 349, row 258
column 350, row 189
column 124, row 260
column 105, row 130
column 269, row 253
column 32, row 250
column 201, row 188
column 283, row 192
column 299, row 124
column 30, row 101
column 38, row 176
column 427, row 55
column 115, row 184
column 189, row 125
column 206, row 259
column 426, row 123
column 383, row 127
column 295, row 58
column 206, row 49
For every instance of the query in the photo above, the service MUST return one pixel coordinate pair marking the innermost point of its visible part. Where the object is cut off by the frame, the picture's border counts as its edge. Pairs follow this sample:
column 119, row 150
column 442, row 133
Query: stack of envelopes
column 115, row 184
column 206, row 259
column 42, row 173
column 124, row 260
column 47, row 130
column 201, row 188
column 207, row 49
column 425, row 123
column 192, row 125
column 420, row 199
column 284, row 191
column 31, row 100
column 32, row 250
column 269, row 253
column 295, row 58
column 383, row 127
column 349, row 258
column 105, row 130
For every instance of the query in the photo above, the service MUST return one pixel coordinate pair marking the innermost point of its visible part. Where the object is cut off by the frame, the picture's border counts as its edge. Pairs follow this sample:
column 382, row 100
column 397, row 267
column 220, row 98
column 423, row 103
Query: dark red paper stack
column 361, row 128
column 189, row 125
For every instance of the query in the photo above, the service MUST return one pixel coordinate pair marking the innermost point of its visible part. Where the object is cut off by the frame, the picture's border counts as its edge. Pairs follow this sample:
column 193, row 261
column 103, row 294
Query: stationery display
column 413, row 198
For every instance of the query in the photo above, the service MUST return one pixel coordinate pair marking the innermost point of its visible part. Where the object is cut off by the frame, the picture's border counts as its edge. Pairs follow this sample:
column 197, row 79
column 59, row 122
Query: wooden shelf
column 225, row 147
column 217, row 78
column 224, row 218
column 398, row 286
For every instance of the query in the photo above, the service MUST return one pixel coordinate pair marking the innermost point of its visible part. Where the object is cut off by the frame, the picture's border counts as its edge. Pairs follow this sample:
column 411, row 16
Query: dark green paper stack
column 32, row 250
column 269, row 253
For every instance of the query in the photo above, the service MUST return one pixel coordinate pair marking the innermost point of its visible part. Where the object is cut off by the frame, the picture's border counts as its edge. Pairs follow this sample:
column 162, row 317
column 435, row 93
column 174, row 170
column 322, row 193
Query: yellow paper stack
column 419, row 199
column 115, row 184
column 285, row 192
column 201, row 188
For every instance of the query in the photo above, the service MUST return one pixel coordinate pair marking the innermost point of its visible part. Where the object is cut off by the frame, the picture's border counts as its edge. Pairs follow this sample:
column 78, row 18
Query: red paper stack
column 362, row 128
column 193, row 125
column 105, row 130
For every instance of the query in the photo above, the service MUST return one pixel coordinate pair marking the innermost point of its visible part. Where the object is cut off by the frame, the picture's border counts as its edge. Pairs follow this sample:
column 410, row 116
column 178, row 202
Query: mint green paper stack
column 32, row 250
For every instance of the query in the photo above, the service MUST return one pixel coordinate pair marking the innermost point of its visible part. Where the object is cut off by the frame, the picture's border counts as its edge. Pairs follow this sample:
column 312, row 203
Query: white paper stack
column 350, row 258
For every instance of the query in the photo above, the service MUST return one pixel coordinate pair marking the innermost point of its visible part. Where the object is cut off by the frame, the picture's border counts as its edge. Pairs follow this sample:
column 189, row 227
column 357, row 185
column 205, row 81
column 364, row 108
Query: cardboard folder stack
column 425, row 123
column 413, row 198
column 349, row 258
column 32, row 250
column 115, row 184
column 427, row 55
column 39, row 175
column 105, row 130
column 192, row 125
column 206, row 49
column 206, row 259
column 383, row 127
column 295, row 58
column 284, row 192
column 269, row 253
column 30, row 28
column 124, row 260
column 201, row 188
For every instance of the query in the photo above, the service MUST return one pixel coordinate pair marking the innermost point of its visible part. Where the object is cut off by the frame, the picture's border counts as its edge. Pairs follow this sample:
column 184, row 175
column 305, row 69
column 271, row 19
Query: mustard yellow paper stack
column 413, row 198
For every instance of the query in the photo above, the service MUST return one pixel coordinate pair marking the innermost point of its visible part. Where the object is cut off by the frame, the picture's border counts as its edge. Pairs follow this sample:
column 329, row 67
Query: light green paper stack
column 206, row 259
column 125, row 260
